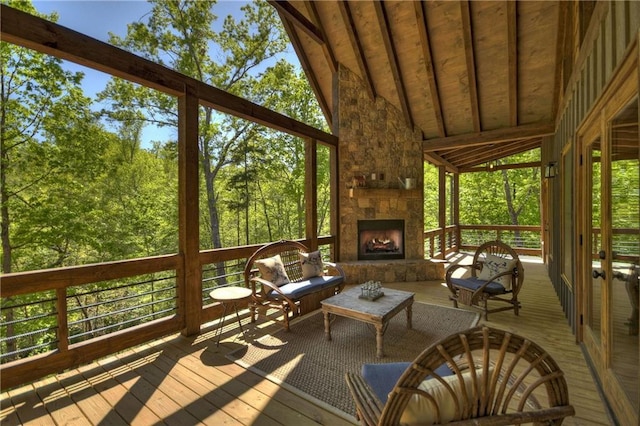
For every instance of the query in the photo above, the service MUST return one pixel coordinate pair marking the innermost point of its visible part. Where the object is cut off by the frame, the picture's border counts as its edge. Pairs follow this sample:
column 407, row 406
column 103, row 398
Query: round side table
column 229, row 296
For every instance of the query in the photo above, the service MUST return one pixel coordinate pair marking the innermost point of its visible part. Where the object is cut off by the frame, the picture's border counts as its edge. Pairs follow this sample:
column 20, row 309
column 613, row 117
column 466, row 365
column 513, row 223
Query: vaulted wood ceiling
column 481, row 79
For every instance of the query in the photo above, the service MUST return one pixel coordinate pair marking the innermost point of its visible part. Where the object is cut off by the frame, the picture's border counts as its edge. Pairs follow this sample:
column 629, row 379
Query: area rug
column 302, row 361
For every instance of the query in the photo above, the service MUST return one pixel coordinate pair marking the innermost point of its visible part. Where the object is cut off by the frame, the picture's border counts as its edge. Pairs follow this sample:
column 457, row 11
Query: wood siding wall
column 613, row 28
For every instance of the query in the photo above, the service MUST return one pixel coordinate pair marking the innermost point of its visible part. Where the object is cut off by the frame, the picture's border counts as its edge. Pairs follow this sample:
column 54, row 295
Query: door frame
column 621, row 89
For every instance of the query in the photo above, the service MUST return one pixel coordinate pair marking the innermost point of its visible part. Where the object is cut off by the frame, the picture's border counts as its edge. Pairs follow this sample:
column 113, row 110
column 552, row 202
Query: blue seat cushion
column 474, row 283
column 381, row 378
column 298, row 289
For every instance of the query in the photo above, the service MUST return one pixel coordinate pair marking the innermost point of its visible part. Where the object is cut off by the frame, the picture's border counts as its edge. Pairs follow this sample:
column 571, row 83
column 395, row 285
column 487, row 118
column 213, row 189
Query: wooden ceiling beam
column 562, row 26
column 392, row 55
column 512, row 53
column 326, row 48
column 428, row 65
column 501, row 167
column 308, row 70
column 491, row 136
column 286, row 9
column 498, row 152
column 352, row 33
column 465, row 13
column 435, row 159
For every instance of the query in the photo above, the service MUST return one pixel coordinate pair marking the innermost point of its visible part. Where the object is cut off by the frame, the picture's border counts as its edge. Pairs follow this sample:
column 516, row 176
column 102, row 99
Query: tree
column 179, row 34
column 40, row 104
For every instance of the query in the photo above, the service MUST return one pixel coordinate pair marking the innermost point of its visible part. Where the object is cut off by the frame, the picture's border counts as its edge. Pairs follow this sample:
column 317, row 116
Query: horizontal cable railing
column 101, row 308
column 525, row 239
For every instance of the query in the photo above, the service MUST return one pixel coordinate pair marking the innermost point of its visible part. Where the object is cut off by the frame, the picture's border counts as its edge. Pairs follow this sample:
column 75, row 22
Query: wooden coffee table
column 378, row 312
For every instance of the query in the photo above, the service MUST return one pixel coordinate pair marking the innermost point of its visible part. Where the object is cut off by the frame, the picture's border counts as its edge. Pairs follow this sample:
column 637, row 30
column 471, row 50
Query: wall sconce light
column 550, row 170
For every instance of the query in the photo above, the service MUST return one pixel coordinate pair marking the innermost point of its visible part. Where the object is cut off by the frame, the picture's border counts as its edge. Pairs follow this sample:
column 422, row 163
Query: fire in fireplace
column 380, row 239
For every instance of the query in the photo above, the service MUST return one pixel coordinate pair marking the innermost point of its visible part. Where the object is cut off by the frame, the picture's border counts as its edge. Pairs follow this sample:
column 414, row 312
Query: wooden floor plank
column 89, row 400
column 60, row 407
column 189, row 380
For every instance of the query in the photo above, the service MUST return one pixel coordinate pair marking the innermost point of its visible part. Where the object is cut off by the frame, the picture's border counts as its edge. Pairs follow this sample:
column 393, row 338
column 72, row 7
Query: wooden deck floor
column 188, row 381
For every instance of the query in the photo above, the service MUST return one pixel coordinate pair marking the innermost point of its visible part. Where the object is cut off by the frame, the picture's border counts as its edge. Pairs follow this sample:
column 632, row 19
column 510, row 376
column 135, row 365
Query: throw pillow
column 272, row 269
column 422, row 411
column 494, row 265
column 311, row 263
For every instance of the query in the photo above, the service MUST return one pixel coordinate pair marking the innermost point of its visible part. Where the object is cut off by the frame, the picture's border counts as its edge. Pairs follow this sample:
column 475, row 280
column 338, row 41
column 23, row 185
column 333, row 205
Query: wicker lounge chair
column 511, row 381
column 496, row 274
column 291, row 290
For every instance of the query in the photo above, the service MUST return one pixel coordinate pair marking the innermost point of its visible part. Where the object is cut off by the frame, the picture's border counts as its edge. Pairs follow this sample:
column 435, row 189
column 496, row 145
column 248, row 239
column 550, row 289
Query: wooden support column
column 190, row 277
column 455, row 195
column 334, row 190
column 311, row 193
column 442, row 210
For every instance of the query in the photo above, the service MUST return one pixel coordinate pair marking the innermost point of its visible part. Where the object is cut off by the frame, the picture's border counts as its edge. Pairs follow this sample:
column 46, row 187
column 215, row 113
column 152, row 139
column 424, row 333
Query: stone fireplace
column 377, row 150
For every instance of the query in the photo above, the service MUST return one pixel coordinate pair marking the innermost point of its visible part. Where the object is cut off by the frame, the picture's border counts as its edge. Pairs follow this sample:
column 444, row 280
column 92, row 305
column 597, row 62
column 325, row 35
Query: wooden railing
column 442, row 241
column 80, row 320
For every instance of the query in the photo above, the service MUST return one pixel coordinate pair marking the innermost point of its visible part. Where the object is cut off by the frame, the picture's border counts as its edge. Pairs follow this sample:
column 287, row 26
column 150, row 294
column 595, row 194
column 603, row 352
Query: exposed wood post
column 455, row 195
column 442, row 210
column 190, row 278
column 334, row 190
column 311, row 192
column 63, row 326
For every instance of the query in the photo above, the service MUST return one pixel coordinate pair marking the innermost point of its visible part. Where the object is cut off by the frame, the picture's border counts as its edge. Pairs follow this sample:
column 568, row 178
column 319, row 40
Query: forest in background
column 78, row 187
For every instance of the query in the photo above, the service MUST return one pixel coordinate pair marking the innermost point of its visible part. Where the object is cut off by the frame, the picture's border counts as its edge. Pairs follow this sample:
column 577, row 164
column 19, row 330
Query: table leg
column 235, row 308
column 379, row 334
column 410, row 316
column 327, row 326
column 221, row 323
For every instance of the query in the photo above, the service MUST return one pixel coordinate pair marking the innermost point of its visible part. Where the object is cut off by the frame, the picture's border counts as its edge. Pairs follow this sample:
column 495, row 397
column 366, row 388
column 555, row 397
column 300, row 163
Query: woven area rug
column 304, row 362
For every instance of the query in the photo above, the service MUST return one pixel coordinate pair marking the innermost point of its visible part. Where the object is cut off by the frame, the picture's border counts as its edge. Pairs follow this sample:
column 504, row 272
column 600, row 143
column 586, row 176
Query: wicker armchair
column 496, row 274
column 513, row 381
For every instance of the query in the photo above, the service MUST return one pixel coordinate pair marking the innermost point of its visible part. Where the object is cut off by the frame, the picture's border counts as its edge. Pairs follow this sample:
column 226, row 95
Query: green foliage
column 501, row 197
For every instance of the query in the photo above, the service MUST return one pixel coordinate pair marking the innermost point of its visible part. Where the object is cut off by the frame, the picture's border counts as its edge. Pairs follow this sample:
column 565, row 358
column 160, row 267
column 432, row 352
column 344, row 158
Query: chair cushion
column 296, row 290
column 422, row 411
column 474, row 283
column 311, row 264
column 272, row 270
column 494, row 265
column 381, row 378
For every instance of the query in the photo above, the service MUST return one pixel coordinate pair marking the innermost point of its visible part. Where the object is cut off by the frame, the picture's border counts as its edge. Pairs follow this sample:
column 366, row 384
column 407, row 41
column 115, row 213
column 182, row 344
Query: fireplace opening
column 380, row 239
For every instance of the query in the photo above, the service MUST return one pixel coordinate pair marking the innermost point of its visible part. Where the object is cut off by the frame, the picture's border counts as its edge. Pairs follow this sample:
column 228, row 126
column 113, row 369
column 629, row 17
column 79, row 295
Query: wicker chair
column 298, row 297
column 496, row 274
column 514, row 381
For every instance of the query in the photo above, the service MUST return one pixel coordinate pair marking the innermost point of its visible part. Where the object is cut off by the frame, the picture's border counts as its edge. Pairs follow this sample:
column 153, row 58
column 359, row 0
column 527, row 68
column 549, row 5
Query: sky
column 96, row 18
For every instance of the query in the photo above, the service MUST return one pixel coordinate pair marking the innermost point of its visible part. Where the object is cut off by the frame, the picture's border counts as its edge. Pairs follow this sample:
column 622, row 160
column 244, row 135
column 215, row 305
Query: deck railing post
column 61, row 314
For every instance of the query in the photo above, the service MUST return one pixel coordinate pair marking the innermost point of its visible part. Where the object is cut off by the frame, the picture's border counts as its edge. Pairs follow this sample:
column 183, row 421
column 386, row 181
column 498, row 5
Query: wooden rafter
column 471, row 66
column 496, row 152
column 286, row 9
column 435, row 159
column 489, row 137
column 326, row 48
column 428, row 64
column 392, row 55
column 560, row 46
column 512, row 47
column 502, row 167
column 352, row 33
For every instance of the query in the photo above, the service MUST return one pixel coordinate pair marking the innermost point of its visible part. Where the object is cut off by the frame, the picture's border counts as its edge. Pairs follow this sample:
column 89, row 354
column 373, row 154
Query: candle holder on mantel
column 371, row 290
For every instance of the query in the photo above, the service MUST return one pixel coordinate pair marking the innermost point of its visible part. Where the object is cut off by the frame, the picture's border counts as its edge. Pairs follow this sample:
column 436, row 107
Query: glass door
column 624, row 183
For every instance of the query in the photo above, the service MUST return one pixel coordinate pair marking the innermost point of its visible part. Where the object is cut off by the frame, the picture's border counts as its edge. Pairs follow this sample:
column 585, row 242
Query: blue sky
column 96, row 18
